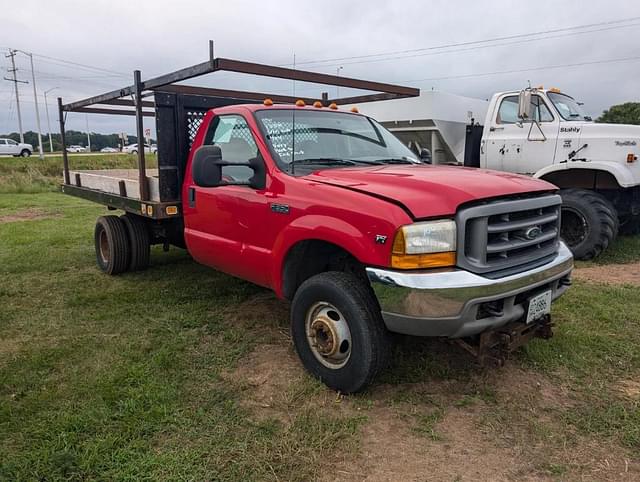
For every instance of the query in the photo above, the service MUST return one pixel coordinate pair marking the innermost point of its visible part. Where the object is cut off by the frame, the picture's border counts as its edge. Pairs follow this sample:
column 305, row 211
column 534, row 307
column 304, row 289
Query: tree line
column 98, row 141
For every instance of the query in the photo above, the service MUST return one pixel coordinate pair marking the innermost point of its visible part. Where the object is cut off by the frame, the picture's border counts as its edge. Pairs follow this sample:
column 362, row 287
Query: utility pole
column 338, row 69
column 35, row 99
column 86, row 118
column 46, row 108
column 13, row 70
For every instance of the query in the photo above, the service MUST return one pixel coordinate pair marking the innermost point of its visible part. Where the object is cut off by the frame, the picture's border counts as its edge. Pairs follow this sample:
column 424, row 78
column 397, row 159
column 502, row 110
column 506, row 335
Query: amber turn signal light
column 300, row 103
column 268, row 102
column 430, row 260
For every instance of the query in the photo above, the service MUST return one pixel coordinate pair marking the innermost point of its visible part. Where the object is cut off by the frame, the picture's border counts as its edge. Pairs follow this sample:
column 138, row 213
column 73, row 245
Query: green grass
column 121, row 377
column 32, row 175
column 131, row 377
column 625, row 249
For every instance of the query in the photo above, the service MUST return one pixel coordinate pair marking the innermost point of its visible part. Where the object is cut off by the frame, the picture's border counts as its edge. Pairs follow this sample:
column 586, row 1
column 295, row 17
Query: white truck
column 9, row 147
column 543, row 133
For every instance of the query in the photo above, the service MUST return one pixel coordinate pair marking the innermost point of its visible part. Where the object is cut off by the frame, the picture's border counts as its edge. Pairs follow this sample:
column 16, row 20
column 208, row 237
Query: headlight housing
column 428, row 244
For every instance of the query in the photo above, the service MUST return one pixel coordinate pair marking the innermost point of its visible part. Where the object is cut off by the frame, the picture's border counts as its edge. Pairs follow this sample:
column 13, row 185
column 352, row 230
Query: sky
column 86, row 48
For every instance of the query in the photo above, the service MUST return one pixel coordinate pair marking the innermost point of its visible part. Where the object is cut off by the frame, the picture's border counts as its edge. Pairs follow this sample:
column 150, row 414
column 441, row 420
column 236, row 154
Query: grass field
column 31, row 175
column 183, row 373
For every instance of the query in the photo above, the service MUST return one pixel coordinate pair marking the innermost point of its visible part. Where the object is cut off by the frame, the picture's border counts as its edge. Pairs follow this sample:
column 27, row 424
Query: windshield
column 329, row 139
column 567, row 107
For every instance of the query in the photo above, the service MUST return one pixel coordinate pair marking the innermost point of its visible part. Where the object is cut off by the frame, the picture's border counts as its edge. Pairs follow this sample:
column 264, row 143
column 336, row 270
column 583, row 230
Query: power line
column 77, row 64
column 476, row 42
column 515, row 71
column 502, row 44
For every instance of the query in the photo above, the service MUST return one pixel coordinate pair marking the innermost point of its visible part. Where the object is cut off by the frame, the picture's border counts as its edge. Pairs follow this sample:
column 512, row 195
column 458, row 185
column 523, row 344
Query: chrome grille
column 503, row 235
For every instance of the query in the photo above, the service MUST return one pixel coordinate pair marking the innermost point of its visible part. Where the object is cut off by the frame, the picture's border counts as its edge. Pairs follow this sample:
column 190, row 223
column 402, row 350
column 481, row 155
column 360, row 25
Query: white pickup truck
column 543, row 133
column 9, row 147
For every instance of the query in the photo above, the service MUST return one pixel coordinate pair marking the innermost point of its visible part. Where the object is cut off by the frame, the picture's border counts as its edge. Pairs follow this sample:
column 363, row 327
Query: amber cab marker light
column 317, row 104
column 268, row 102
column 631, row 158
column 300, row 103
column 354, row 110
column 333, row 106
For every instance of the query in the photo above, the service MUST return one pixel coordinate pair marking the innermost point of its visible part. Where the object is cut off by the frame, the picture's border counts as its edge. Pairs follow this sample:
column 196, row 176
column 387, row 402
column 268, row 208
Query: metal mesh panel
column 194, row 120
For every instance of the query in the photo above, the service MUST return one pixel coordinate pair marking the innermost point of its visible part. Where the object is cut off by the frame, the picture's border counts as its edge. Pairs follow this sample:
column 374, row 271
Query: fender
column 620, row 172
column 323, row 228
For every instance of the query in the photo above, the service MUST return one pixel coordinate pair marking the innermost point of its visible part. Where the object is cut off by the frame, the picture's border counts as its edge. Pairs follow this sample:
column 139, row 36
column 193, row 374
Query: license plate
column 539, row 306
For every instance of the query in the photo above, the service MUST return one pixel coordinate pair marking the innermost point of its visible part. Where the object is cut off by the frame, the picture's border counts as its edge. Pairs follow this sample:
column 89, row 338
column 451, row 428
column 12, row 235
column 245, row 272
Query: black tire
column 370, row 341
column 25, row 153
column 139, row 241
column 589, row 222
column 113, row 253
column 134, row 152
column 630, row 225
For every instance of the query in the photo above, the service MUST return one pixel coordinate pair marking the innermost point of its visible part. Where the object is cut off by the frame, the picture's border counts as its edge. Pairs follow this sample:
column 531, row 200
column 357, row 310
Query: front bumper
column 457, row 303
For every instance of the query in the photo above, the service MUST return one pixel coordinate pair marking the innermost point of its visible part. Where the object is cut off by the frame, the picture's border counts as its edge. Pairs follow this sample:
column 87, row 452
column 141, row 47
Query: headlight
column 429, row 244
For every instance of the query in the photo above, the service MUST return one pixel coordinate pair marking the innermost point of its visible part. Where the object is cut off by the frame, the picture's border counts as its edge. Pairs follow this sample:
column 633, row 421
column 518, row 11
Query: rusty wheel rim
column 328, row 335
column 103, row 243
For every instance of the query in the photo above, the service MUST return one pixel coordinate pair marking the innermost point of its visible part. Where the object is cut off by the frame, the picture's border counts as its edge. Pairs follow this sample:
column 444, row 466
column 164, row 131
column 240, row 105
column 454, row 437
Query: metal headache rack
column 179, row 110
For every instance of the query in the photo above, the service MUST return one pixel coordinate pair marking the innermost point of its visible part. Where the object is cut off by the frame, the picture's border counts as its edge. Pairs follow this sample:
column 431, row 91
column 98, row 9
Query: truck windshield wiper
column 395, row 160
column 328, row 161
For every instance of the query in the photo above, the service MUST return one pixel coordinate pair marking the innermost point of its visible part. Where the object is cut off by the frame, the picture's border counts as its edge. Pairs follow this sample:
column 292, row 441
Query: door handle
column 192, row 197
column 492, row 129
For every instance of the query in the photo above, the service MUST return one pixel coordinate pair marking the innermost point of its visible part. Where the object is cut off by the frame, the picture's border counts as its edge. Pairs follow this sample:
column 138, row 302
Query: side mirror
column 524, row 105
column 425, row 155
column 208, row 163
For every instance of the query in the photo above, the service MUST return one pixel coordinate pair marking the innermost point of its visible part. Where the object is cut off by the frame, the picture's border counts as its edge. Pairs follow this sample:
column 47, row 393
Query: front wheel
column 338, row 332
column 25, row 153
column 589, row 222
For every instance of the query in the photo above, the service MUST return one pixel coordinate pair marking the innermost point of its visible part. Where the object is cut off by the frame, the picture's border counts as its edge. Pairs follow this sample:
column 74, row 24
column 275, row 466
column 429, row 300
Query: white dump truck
column 540, row 132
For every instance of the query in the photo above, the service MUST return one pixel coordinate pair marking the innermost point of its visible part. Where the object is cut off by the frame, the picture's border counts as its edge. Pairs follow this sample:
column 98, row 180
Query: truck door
column 219, row 220
column 3, row 147
column 541, row 138
column 503, row 145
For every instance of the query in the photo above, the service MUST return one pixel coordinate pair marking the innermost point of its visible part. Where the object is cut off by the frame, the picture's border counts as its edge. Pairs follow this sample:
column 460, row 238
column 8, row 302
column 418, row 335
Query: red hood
column 429, row 191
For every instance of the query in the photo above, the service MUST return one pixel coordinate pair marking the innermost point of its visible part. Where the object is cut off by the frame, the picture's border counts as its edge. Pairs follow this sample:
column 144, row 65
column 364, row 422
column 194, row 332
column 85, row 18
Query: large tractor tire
column 589, row 222
column 338, row 331
column 113, row 253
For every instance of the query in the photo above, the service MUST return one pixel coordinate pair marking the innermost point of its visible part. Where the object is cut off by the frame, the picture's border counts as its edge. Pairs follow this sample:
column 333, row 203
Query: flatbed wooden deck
column 122, row 182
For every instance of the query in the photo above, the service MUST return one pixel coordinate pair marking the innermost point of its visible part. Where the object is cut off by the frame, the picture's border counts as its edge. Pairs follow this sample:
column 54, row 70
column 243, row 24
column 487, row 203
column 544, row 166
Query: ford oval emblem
column 533, row 232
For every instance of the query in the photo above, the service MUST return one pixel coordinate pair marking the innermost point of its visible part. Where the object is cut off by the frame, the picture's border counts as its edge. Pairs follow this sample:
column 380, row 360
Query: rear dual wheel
column 121, row 243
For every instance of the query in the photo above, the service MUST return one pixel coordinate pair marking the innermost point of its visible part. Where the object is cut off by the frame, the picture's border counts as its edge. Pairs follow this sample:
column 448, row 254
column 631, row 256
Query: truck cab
column 546, row 134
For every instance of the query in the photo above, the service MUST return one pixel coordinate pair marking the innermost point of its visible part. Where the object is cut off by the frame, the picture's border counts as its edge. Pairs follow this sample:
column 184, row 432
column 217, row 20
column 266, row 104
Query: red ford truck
column 329, row 210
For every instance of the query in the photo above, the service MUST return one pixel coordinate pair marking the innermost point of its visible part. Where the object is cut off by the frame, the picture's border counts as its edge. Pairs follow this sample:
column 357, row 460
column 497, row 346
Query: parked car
column 75, row 148
column 133, row 148
column 13, row 148
column 109, row 149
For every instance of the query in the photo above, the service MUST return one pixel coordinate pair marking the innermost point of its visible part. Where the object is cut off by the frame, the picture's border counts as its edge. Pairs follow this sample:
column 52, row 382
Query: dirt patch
column 27, row 215
column 266, row 376
column 610, row 273
column 629, row 389
column 392, row 451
